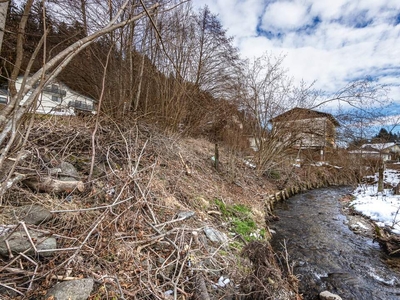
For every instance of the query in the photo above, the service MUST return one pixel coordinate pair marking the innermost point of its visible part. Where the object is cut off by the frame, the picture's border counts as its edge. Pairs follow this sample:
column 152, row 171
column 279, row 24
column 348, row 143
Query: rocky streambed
column 331, row 251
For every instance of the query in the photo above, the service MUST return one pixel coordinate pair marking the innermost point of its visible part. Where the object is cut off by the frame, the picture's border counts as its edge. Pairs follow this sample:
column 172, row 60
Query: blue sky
column 331, row 41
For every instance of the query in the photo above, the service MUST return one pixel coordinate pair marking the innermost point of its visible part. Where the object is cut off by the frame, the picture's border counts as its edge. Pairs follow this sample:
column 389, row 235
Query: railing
column 80, row 105
column 55, row 90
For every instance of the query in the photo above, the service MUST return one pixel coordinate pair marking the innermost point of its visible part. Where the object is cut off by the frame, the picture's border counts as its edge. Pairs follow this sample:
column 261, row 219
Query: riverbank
column 325, row 254
column 364, row 226
column 376, row 213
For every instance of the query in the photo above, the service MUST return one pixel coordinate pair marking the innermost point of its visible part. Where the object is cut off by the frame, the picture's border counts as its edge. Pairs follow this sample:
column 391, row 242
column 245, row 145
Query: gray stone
column 186, row 214
column 68, row 171
column 19, row 242
column 215, row 236
column 55, row 171
column 328, row 296
column 71, row 290
column 32, row 214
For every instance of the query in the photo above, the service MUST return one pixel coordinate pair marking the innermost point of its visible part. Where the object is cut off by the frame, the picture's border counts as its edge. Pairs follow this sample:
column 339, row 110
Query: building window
column 3, row 100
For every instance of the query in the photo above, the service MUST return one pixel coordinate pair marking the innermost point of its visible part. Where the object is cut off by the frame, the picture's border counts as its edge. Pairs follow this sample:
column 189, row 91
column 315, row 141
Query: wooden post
column 216, row 156
column 397, row 189
column 380, row 179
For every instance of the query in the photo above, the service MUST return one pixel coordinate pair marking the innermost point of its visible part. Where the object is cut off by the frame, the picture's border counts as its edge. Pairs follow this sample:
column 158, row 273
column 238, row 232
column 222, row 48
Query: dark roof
column 298, row 113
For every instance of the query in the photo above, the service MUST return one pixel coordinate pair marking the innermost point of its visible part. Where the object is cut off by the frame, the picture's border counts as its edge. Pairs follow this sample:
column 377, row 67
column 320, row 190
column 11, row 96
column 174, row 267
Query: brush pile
column 128, row 213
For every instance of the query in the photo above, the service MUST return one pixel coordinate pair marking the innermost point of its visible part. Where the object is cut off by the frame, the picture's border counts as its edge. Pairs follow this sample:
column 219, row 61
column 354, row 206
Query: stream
column 326, row 254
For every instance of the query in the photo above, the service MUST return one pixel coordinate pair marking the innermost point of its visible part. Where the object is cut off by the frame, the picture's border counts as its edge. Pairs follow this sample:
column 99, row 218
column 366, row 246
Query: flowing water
column 326, row 254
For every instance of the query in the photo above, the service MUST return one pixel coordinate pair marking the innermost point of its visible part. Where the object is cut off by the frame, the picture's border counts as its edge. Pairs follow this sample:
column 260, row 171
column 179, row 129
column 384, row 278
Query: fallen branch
column 201, row 292
column 186, row 165
column 19, row 271
column 10, row 288
column 183, row 264
column 171, row 221
column 12, row 177
column 388, row 241
column 28, row 236
column 64, row 278
column 50, row 185
column 34, row 272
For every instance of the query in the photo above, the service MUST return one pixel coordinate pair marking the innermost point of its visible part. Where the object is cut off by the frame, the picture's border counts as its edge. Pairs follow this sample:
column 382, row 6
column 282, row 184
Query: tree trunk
column 216, row 156
column 3, row 17
column 20, row 48
column 128, row 102
column 84, row 17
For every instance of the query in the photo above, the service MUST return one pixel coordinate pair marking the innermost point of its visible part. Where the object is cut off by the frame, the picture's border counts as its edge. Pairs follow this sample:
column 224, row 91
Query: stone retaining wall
column 292, row 190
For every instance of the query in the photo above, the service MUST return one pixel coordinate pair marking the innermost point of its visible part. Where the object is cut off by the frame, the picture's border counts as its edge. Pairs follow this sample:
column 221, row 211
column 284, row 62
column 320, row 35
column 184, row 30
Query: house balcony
column 80, row 105
column 55, row 90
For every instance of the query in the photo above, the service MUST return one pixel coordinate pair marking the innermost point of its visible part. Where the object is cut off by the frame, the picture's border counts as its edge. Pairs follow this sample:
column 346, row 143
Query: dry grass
column 123, row 229
column 267, row 281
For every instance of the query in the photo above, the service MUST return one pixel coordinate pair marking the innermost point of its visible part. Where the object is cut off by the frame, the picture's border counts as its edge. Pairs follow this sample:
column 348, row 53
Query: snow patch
column 382, row 207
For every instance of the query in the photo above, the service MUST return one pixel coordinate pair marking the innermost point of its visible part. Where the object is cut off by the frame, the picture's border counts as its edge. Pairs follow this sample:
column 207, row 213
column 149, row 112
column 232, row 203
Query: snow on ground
column 384, row 207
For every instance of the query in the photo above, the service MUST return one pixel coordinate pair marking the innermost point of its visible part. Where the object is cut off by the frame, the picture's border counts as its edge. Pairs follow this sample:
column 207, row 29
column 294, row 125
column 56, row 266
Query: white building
column 371, row 154
column 3, row 96
column 383, row 151
column 58, row 99
column 383, row 147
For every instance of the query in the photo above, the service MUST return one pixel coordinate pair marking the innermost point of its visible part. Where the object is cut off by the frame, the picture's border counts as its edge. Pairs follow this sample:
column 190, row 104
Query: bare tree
column 10, row 117
column 195, row 58
column 266, row 91
column 20, row 41
column 215, row 59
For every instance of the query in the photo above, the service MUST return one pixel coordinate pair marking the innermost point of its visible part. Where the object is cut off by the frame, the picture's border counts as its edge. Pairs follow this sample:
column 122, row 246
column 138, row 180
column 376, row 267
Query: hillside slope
column 153, row 220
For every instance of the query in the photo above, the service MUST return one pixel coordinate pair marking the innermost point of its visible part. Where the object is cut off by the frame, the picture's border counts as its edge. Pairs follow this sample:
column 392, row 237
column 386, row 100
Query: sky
column 331, row 41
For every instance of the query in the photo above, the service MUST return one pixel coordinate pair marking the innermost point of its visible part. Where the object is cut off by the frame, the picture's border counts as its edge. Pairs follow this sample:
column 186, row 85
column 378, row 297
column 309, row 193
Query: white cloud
column 329, row 10
column 284, row 15
column 240, row 17
column 331, row 41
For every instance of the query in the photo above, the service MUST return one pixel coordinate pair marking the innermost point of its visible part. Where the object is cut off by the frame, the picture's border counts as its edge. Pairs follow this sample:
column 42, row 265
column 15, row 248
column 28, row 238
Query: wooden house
column 307, row 129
